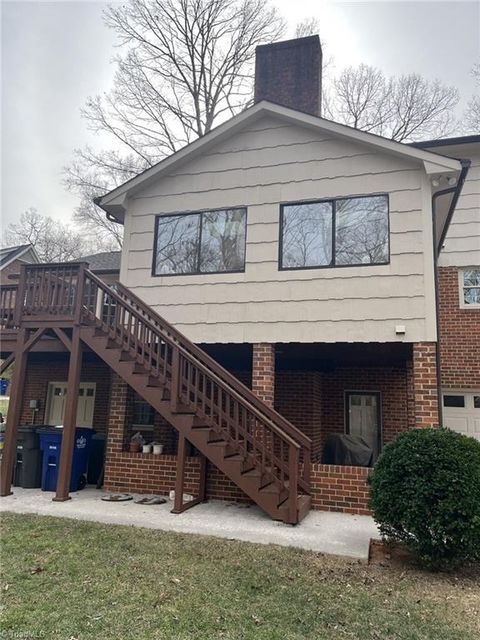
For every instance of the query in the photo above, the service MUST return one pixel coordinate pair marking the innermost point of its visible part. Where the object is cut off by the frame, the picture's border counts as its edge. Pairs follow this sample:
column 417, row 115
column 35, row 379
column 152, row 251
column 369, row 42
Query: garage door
column 461, row 412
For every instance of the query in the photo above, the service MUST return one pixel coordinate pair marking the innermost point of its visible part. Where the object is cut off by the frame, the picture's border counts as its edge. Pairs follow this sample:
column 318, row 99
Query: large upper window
column 205, row 242
column 470, row 287
column 350, row 231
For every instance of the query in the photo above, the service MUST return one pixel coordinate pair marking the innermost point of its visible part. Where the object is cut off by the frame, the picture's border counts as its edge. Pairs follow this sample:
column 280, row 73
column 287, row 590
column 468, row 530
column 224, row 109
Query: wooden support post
column 175, row 381
column 202, row 488
column 13, row 415
column 180, row 477
column 293, row 461
column 70, row 419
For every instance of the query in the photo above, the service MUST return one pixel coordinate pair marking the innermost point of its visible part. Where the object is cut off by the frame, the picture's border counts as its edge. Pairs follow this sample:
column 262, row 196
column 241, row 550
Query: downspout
column 456, row 190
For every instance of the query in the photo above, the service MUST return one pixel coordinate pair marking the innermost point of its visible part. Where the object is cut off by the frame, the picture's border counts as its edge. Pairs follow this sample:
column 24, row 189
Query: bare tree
column 187, row 64
column 53, row 241
column 307, row 27
column 404, row 108
column 471, row 119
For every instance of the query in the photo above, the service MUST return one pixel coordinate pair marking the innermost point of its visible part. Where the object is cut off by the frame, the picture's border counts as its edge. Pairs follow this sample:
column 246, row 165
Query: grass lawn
column 69, row 580
column 4, row 406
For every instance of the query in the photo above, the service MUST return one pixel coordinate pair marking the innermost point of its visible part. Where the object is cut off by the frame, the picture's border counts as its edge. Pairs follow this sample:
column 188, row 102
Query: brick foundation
column 337, row 488
column 459, row 335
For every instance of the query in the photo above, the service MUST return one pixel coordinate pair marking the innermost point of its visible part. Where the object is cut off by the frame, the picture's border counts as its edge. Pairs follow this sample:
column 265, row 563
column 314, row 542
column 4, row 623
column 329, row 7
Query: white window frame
column 462, row 287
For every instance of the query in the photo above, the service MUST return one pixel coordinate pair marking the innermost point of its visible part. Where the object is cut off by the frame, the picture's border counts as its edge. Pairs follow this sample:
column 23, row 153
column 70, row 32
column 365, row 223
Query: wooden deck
column 257, row 448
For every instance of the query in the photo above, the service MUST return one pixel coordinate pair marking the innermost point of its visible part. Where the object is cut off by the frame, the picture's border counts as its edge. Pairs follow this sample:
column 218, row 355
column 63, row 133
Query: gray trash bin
column 27, row 471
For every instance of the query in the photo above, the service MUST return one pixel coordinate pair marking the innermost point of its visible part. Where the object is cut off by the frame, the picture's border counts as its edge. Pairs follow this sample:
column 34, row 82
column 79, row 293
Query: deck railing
column 194, row 380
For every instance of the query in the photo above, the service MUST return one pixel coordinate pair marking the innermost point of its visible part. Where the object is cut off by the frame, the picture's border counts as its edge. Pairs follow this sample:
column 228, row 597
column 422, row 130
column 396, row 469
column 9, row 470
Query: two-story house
column 279, row 307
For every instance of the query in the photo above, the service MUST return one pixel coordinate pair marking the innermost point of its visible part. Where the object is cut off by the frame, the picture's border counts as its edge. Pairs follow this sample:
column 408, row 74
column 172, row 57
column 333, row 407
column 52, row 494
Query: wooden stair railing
column 8, row 297
column 260, row 450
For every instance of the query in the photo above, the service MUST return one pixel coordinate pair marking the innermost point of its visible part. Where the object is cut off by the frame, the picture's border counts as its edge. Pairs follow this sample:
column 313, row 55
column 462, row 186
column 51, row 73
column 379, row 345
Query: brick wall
column 44, row 368
column 425, row 389
column 459, row 335
column 298, row 397
column 263, row 371
column 315, row 402
column 336, row 488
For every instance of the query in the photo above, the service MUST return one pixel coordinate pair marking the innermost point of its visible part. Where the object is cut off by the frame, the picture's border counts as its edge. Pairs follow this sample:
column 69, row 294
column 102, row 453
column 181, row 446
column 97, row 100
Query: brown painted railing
column 8, row 297
column 193, row 379
column 197, row 381
column 47, row 290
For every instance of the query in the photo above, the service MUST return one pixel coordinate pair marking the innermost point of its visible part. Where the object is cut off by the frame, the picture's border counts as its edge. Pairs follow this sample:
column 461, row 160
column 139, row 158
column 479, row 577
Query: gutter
column 109, row 216
column 456, row 190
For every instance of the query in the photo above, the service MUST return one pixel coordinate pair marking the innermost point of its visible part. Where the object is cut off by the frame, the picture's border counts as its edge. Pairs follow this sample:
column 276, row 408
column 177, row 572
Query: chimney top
column 289, row 73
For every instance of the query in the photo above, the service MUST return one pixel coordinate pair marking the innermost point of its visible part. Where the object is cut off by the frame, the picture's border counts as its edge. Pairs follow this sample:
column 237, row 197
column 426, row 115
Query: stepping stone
column 150, row 500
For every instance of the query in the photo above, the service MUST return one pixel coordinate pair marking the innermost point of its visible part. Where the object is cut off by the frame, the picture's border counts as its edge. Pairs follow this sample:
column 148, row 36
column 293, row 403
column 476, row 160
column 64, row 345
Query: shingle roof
column 9, row 254
column 105, row 261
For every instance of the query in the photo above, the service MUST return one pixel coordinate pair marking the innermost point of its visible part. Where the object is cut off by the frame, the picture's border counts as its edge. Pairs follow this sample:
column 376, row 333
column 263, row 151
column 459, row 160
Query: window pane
column 471, row 278
column 453, row 401
column 223, row 240
column 471, row 295
column 361, row 230
column 177, row 244
column 307, row 234
column 476, row 402
column 143, row 413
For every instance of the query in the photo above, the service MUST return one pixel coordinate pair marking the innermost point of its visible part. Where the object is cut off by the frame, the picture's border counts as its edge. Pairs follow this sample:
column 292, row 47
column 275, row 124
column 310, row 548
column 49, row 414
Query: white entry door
column 363, row 418
column 461, row 412
column 57, row 393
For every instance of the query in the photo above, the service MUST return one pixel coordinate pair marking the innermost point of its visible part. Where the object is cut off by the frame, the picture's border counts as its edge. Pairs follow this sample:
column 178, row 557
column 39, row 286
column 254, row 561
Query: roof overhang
column 115, row 202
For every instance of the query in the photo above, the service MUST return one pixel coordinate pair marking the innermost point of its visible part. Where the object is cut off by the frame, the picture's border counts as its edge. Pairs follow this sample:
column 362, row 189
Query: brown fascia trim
column 456, row 190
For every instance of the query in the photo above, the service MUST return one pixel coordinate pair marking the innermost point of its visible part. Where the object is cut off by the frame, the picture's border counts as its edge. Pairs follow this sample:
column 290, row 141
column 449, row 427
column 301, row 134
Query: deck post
column 70, row 419
column 14, row 411
column 180, row 477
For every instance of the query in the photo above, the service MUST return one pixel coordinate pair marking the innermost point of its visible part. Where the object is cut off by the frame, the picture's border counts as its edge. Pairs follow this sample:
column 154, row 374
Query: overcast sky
column 55, row 54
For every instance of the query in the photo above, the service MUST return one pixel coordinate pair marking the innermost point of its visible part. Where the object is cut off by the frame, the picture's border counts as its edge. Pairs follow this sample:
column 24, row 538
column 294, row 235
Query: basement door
column 363, row 418
column 57, row 394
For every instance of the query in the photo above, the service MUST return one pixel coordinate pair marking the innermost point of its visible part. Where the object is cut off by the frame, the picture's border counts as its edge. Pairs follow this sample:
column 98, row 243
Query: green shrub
column 425, row 492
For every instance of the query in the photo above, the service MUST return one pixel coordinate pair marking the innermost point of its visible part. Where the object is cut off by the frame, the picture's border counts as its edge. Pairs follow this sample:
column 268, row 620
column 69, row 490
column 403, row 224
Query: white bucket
column 147, row 448
column 158, row 449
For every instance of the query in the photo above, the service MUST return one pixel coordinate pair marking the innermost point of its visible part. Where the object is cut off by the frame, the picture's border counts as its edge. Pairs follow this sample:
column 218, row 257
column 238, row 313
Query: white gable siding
column 462, row 244
column 269, row 164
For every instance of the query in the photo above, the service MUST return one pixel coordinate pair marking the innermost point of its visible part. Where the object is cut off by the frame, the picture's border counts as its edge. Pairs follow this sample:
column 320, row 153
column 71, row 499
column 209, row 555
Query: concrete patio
column 332, row 533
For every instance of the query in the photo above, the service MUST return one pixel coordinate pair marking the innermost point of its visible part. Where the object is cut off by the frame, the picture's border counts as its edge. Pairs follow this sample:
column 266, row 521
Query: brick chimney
column 290, row 73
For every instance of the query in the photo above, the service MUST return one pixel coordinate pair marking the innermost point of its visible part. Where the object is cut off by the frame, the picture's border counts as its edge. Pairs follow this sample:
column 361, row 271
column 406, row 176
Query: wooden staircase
column 253, row 445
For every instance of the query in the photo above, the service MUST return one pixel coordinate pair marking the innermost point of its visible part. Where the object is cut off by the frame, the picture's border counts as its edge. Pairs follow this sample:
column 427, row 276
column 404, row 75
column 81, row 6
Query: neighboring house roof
column 446, row 142
column 114, row 202
column 107, row 261
column 25, row 252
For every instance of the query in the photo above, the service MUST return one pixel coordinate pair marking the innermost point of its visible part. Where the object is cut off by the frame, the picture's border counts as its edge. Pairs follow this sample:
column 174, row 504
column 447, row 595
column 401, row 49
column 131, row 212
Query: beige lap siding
column 259, row 169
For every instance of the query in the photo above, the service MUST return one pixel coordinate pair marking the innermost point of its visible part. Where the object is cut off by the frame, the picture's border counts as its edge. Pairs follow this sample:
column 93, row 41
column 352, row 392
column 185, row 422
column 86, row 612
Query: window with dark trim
column 329, row 233
column 143, row 414
column 203, row 242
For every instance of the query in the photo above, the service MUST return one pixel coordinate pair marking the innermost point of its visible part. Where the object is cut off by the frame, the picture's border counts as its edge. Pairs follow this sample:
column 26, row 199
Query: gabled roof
column 114, row 202
column 105, row 262
column 24, row 252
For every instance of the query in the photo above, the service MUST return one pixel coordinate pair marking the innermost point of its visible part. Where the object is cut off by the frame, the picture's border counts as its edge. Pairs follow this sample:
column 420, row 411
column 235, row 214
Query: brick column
column 263, row 371
column 118, row 411
column 425, row 384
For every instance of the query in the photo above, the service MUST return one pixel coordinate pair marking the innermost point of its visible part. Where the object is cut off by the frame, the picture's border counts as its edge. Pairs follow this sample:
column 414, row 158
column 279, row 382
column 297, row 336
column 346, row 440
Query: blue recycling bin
column 51, row 446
